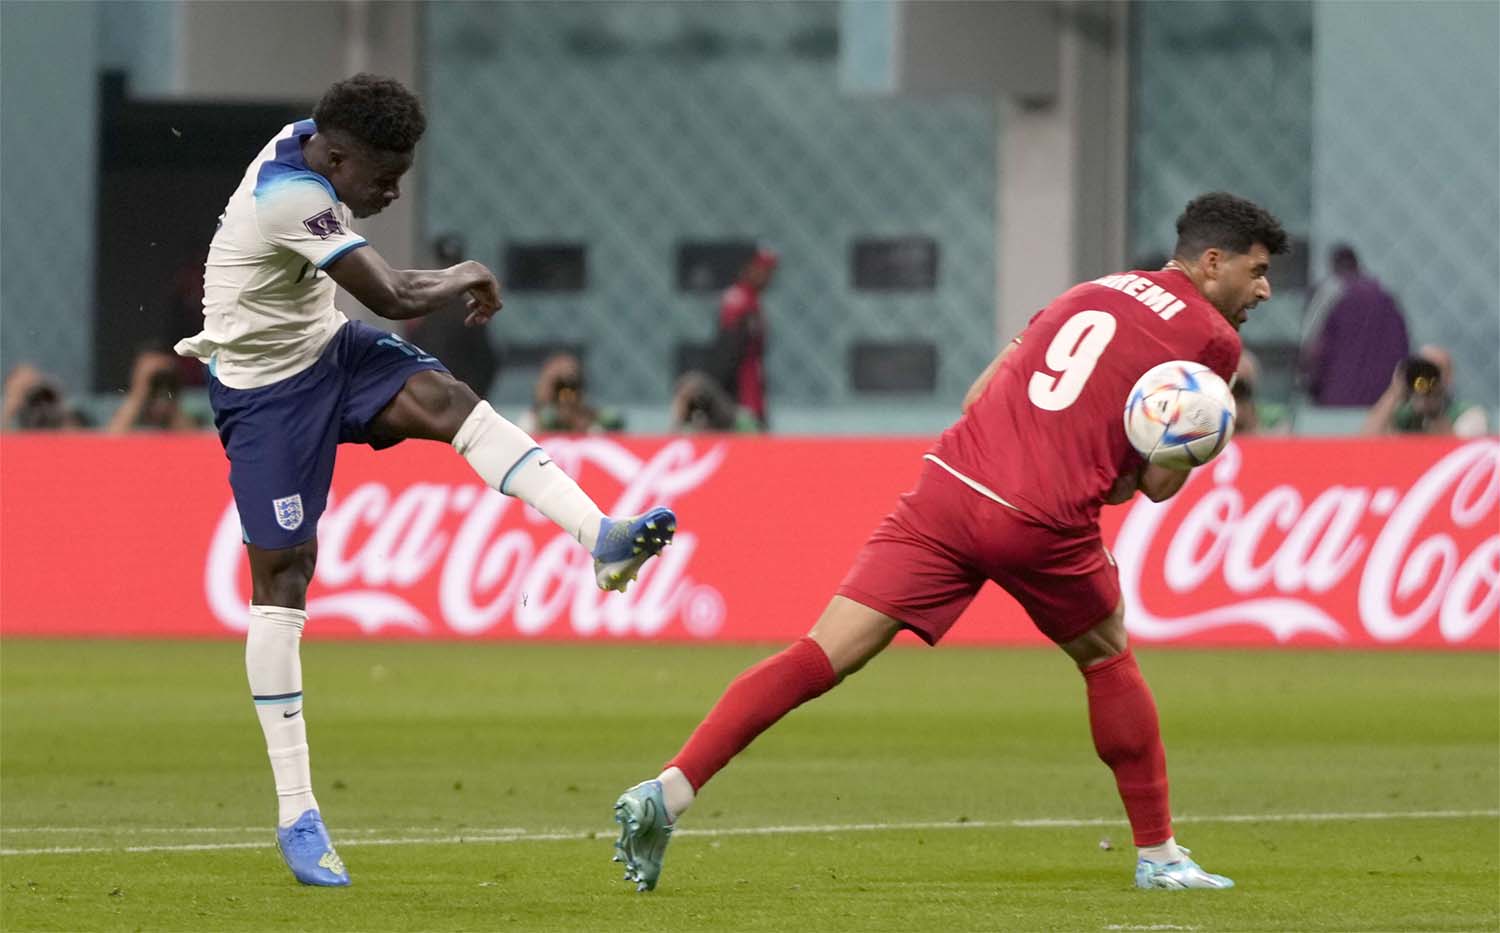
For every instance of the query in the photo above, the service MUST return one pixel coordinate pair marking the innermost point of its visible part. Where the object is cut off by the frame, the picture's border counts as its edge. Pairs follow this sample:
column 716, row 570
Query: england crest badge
column 288, row 512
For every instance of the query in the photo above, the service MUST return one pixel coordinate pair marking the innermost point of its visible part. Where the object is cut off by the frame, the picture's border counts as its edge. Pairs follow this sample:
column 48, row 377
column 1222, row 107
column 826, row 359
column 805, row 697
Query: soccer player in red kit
column 1012, row 493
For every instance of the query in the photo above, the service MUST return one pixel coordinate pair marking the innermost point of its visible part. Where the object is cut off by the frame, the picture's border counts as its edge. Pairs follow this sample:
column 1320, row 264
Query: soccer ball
column 1180, row 415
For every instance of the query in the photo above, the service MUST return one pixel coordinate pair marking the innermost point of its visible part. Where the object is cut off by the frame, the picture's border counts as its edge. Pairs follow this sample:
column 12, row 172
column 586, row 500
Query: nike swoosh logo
column 542, row 463
column 292, row 713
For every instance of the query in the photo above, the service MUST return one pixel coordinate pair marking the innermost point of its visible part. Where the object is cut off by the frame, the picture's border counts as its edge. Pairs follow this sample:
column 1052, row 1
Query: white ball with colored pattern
column 1179, row 415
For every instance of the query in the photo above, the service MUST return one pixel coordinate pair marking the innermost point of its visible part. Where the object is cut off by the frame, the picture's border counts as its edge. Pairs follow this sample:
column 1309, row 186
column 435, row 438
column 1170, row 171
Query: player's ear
column 1211, row 260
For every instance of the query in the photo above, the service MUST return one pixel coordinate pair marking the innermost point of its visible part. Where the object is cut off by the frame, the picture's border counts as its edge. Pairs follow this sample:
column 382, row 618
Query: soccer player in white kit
column 292, row 378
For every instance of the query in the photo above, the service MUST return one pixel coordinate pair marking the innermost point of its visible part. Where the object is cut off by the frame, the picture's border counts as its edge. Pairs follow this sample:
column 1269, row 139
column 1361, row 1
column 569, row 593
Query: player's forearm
column 1160, row 483
column 417, row 293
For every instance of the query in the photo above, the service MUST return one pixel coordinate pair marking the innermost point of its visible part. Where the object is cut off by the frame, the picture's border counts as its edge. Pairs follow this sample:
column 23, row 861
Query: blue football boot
column 309, row 853
column 627, row 543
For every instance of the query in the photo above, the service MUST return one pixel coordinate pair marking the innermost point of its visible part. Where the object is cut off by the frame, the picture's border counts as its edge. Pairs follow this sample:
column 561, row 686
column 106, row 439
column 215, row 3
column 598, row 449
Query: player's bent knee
column 852, row 634
column 1105, row 640
column 431, row 405
column 442, row 400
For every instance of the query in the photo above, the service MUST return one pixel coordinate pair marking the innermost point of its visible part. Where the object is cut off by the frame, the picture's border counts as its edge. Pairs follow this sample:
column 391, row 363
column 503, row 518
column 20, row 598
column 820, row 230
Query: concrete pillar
column 1063, row 164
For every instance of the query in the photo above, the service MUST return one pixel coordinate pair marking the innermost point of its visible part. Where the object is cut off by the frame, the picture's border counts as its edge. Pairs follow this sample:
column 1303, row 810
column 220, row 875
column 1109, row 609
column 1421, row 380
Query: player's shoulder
column 282, row 175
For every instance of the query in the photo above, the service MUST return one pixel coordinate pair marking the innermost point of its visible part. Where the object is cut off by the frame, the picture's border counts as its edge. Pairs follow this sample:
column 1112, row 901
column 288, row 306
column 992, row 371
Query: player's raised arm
column 402, row 294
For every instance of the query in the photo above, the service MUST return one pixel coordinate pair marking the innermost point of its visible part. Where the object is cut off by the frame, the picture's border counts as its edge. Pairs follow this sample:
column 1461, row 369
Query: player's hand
column 482, row 298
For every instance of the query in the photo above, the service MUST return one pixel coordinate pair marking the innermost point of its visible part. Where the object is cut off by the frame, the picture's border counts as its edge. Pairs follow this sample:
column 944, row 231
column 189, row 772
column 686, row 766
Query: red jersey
column 741, row 309
column 1047, row 436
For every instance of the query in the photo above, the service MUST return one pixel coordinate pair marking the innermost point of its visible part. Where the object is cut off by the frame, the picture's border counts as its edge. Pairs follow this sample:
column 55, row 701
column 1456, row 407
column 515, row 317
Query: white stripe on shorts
column 973, row 484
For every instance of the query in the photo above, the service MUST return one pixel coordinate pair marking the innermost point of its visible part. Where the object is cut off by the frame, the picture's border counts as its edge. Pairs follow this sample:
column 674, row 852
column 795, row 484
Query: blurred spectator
column 153, row 402
column 1252, row 414
column 701, row 404
column 560, row 402
column 740, row 349
column 1360, row 336
column 466, row 351
column 34, row 401
column 1419, row 400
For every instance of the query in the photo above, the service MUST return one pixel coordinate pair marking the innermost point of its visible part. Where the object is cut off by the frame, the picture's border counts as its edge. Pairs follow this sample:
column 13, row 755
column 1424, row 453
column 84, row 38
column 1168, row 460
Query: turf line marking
column 142, row 830
column 507, row 835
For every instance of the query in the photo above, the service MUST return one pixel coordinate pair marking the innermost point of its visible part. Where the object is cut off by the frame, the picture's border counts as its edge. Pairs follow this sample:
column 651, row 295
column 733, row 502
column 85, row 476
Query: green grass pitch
column 469, row 787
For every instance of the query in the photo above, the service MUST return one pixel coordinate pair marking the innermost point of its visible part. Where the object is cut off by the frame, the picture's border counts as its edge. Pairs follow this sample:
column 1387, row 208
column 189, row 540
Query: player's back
column 1047, row 433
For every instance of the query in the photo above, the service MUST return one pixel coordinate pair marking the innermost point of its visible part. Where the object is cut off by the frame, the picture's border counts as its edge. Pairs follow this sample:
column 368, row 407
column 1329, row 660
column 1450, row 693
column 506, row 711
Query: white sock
column 1162, row 854
column 507, row 459
column 676, row 791
column 274, row 667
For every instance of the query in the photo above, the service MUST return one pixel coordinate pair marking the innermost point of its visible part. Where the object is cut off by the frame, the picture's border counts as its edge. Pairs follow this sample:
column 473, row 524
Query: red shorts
column 927, row 560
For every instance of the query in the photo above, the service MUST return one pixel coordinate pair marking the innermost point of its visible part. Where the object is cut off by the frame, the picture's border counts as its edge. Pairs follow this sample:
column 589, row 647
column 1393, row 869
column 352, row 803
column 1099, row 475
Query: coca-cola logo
column 485, row 560
column 1398, row 546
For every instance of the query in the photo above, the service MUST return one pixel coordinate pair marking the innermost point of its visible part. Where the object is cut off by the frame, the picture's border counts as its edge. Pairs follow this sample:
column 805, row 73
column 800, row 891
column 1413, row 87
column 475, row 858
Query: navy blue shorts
column 280, row 439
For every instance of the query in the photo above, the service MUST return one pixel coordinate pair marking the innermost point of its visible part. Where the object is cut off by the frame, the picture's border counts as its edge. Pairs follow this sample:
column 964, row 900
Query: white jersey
column 267, row 307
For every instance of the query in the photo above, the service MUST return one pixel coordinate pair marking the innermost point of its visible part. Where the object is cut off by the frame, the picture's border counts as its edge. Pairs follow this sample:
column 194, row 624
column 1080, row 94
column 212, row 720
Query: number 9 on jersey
column 1179, row 415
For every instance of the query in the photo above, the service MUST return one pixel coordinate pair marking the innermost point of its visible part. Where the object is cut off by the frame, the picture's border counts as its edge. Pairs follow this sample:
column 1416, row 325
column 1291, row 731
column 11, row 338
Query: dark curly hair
column 377, row 111
column 1222, row 221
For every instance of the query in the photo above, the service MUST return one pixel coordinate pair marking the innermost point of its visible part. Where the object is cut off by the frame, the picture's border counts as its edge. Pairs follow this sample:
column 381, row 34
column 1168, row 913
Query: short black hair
column 1220, row 220
column 377, row 111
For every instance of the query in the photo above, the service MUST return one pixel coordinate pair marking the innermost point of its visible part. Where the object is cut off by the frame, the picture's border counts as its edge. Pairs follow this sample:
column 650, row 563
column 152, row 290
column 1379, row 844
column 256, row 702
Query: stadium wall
column 1335, row 544
column 631, row 128
column 48, row 126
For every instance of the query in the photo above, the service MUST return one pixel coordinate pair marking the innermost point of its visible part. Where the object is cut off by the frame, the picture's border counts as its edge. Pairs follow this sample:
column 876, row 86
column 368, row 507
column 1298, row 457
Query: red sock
column 752, row 704
column 1127, row 735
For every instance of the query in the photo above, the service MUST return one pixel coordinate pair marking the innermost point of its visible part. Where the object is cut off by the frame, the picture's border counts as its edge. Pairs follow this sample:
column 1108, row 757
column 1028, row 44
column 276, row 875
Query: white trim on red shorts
column 973, row 484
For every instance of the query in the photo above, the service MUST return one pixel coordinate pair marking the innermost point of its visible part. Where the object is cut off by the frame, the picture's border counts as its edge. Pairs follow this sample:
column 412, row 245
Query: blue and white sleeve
column 299, row 214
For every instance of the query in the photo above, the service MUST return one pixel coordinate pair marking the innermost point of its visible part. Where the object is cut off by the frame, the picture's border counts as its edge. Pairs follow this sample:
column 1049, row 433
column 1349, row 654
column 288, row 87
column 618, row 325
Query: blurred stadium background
column 987, row 155
column 930, row 174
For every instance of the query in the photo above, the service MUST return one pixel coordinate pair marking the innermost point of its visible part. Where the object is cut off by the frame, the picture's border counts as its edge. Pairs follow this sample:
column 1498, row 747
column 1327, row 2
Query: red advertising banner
column 1278, row 542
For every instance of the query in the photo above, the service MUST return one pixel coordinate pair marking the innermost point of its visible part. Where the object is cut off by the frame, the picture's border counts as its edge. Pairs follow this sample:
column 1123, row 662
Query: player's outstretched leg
column 509, row 460
column 754, row 701
column 846, row 637
column 309, row 853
